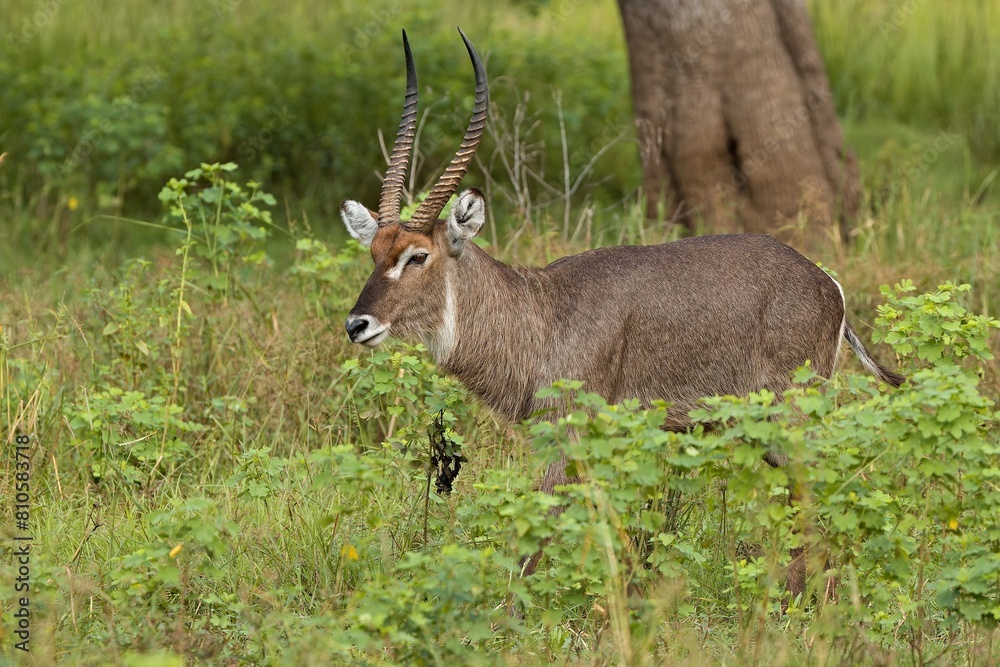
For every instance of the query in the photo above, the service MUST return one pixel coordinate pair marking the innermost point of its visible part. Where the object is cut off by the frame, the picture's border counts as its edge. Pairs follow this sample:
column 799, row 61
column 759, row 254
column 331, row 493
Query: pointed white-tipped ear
column 466, row 218
column 360, row 222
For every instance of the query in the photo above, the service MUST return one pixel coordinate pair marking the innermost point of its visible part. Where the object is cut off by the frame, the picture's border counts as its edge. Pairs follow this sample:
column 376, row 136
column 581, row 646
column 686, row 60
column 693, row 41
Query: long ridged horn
column 399, row 159
column 429, row 210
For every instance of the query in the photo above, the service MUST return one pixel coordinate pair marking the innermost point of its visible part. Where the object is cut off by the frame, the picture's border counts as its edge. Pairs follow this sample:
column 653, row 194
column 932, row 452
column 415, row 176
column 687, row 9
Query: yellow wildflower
column 176, row 550
column 73, row 203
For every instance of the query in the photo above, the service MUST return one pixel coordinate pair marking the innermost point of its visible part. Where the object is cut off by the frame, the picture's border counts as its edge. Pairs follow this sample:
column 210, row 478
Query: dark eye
column 418, row 258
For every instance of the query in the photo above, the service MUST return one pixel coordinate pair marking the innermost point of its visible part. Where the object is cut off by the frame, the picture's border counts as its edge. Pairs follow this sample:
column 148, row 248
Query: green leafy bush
column 130, row 434
column 214, row 476
column 933, row 326
column 225, row 223
column 894, row 495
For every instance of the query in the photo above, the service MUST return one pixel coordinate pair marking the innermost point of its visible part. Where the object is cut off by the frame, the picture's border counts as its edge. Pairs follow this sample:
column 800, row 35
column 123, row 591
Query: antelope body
column 698, row 317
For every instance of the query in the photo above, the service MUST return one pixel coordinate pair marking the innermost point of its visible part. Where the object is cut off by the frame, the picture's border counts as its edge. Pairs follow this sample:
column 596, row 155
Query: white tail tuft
column 872, row 366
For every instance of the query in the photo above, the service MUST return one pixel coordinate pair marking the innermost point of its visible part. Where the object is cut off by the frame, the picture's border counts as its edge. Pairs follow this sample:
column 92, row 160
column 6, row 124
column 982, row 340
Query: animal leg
column 795, row 578
column 555, row 476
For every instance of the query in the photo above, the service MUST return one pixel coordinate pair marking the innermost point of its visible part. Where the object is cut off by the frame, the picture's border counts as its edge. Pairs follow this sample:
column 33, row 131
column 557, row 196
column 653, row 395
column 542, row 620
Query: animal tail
column 873, row 367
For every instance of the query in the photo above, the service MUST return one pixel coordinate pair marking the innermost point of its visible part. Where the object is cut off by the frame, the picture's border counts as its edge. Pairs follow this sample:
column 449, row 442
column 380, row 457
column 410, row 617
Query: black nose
column 355, row 326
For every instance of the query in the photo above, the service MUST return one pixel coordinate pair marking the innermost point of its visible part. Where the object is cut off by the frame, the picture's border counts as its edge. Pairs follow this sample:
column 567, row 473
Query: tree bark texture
column 736, row 121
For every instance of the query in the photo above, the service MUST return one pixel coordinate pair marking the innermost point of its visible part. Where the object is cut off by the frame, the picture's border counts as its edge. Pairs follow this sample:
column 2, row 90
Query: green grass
column 266, row 571
column 297, row 97
column 916, row 64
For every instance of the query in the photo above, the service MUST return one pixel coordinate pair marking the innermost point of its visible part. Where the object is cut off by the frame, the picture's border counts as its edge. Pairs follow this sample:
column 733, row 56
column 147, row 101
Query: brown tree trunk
column 735, row 118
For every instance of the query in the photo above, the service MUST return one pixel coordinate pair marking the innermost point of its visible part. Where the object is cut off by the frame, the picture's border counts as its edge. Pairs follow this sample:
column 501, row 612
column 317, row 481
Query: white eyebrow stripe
column 395, row 272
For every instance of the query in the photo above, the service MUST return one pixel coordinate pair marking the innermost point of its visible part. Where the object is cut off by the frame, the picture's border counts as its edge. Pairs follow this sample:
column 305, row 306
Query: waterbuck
column 702, row 316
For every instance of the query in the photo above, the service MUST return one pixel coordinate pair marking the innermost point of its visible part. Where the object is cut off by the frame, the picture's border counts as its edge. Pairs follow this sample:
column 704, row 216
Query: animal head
column 409, row 290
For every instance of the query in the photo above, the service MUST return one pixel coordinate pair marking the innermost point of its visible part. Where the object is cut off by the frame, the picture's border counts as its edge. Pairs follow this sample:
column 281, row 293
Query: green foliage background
column 105, row 100
column 295, row 94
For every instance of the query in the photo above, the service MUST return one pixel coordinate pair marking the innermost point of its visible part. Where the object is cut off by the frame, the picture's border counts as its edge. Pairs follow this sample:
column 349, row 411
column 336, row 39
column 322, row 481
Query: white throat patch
column 443, row 344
